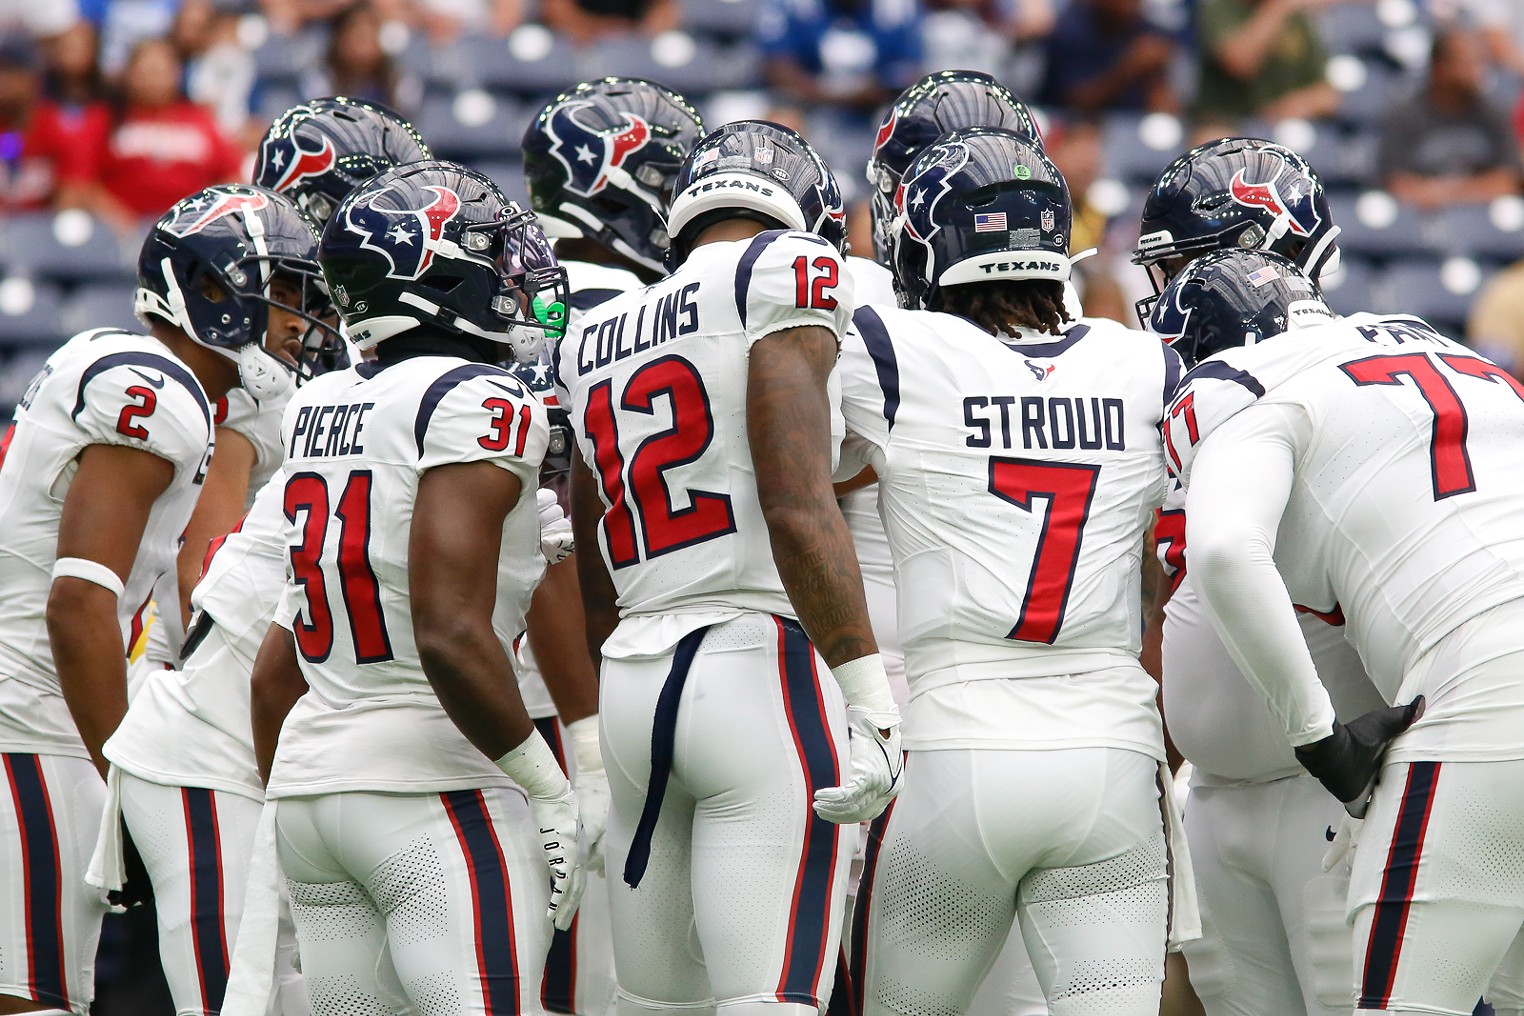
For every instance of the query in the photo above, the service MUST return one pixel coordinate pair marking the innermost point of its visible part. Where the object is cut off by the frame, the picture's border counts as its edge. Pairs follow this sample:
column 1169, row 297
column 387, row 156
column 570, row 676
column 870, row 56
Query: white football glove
column 556, row 819
column 591, row 783
column 877, row 762
column 533, row 766
column 1341, row 846
column 556, row 541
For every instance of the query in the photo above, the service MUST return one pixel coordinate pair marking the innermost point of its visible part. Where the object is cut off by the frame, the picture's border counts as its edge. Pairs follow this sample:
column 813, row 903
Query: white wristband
column 90, row 571
column 585, row 746
column 865, row 683
column 533, row 766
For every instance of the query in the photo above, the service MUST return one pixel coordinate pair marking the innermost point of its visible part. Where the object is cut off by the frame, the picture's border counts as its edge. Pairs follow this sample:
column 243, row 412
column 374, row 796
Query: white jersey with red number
column 1220, row 723
column 1405, row 504
column 357, row 443
column 190, row 726
column 105, row 387
column 1017, row 478
column 655, row 384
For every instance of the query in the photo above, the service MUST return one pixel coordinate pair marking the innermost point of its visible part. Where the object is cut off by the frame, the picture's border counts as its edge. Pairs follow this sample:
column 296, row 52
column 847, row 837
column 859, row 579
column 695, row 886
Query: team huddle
column 849, row 541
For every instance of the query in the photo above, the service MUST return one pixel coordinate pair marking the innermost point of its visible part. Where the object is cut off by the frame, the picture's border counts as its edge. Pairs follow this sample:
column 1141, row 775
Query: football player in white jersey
column 101, row 472
column 1272, row 936
column 184, row 748
column 1019, row 462
column 400, row 779
column 1368, row 466
column 703, row 418
column 599, row 161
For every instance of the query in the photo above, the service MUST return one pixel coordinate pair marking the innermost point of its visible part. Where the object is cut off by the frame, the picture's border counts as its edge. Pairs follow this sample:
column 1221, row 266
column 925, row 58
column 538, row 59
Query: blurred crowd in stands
column 1411, row 110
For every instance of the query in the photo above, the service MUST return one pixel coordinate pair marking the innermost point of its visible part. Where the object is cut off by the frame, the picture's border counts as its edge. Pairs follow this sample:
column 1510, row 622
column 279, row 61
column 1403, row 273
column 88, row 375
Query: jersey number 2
column 1449, row 461
column 359, row 592
column 1068, row 488
column 638, row 489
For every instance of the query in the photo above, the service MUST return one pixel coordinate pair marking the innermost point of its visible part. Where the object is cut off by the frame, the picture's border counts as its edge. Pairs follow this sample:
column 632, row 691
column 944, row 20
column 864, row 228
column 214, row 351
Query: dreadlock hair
column 1003, row 305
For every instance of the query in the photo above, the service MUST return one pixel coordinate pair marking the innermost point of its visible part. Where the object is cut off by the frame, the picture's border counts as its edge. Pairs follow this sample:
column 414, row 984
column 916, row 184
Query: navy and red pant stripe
column 497, row 957
column 558, row 986
column 208, row 895
column 858, row 968
column 810, row 911
column 42, row 877
column 1383, row 951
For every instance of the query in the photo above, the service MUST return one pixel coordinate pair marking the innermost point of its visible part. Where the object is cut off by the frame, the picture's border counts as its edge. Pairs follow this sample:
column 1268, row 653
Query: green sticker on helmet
column 1022, row 172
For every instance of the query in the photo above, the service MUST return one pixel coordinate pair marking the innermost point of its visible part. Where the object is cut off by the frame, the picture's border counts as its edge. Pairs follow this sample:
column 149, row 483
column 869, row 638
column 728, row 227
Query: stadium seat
column 1418, row 287
column 289, row 56
column 1350, row 290
column 452, row 137
column 1129, row 157
column 1471, row 229
column 509, row 176
column 31, row 245
column 536, row 64
column 1352, row 27
column 17, row 372
column 1386, row 230
column 694, row 67
column 725, row 19
column 1368, row 102
column 104, row 305
column 29, row 314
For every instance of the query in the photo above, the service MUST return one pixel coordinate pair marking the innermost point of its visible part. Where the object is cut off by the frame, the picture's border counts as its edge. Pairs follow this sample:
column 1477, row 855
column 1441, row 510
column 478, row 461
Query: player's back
column 656, row 384
column 111, row 388
column 1019, row 478
column 1404, row 514
column 357, row 443
column 1016, row 480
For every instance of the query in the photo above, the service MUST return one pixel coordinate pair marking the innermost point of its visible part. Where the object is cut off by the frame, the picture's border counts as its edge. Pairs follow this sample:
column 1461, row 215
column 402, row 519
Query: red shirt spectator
column 163, row 146
column 47, row 150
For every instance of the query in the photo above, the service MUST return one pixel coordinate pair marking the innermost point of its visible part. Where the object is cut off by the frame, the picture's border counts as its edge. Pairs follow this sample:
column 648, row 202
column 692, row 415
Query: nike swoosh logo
column 157, row 382
column 519, row 391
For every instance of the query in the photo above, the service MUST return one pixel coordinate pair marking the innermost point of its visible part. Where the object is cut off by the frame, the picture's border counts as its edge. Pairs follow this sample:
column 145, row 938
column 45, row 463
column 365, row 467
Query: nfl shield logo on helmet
column 1048, row 220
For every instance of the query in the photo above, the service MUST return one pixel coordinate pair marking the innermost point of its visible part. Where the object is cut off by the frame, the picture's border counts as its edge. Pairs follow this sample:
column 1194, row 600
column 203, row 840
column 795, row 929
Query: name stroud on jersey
column 610, row 345
column 329, row 430
column 1046, row 422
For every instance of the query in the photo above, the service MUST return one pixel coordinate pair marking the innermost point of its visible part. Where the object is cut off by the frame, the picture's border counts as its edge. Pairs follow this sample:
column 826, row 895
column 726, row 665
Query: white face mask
column 262, row 375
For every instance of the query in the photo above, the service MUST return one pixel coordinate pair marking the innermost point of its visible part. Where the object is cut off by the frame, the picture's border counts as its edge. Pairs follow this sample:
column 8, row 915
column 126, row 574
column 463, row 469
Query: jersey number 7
column 1449, row 460
column 1068, row 488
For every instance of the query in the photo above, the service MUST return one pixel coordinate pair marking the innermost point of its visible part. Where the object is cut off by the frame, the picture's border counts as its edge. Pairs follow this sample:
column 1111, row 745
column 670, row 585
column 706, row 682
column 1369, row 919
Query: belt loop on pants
column 663, row 742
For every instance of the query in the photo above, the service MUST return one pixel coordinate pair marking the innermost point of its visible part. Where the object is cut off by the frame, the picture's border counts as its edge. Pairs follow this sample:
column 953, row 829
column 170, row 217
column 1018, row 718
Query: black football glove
column 137, row 887
column 1347, row 761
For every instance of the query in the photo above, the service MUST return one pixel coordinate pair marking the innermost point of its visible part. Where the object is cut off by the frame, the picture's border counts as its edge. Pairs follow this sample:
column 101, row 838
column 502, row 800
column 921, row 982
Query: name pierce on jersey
column 328, row 430
column 1044, row 422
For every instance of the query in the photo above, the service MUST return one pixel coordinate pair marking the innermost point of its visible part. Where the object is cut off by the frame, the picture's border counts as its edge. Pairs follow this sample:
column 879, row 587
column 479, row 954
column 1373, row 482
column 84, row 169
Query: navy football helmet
column 600, row 160
column 316, row 152
column 207, row 265
column 1235, row 193
column 980, row 204
column 936, row 105
column 436, row 244
column 755, row 169
column 1231, row 298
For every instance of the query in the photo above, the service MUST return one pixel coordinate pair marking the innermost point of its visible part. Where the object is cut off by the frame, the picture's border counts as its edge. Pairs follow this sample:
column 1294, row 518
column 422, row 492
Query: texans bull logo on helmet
column 885, row 132
column 1301, row 220
column 295, row 163
column 409, row 246
column 917, row 198
column 198, row 214
column 589, row 153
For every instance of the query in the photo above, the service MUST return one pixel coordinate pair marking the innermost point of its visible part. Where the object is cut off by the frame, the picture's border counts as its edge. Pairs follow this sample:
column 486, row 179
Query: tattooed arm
column 789, row 419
